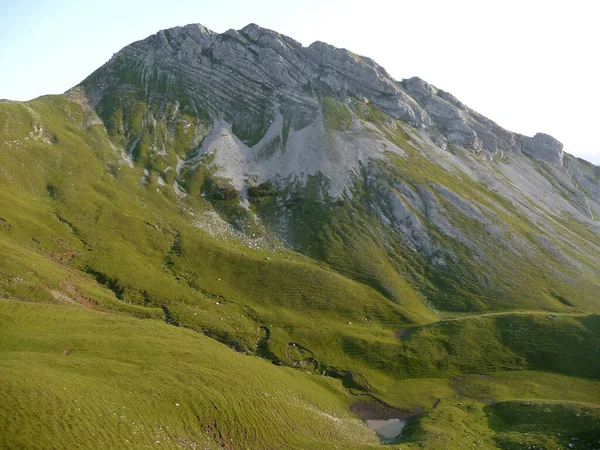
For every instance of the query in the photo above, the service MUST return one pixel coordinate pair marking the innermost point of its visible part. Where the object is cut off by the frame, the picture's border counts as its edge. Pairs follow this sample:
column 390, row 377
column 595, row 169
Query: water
column 387, row 430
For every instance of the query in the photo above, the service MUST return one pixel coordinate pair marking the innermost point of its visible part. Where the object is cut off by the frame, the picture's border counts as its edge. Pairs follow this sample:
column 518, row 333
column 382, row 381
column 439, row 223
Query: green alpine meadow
column 233, row 241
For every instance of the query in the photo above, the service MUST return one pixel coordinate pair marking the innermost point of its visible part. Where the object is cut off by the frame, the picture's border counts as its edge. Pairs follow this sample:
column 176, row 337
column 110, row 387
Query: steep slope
column 300, row 205
column 361, row 171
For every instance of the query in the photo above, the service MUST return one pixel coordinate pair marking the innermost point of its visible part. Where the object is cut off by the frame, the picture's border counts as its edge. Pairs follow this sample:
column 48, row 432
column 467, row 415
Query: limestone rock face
column 544, row 147
column 252, row 75
column 454, row 123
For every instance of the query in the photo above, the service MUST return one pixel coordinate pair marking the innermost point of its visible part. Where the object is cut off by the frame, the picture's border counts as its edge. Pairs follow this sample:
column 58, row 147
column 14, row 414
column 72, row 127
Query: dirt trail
column 70, row 294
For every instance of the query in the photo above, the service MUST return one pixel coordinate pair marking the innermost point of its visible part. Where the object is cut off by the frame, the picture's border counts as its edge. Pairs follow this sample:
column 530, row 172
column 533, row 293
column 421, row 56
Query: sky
column 531, row 66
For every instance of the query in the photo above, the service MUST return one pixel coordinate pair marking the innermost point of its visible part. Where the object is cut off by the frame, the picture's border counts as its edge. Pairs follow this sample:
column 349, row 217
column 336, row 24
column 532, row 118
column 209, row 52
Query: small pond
column 387, row 430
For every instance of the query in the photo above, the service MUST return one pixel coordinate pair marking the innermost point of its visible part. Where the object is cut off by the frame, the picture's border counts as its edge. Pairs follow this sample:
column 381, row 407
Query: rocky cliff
column 253, row 74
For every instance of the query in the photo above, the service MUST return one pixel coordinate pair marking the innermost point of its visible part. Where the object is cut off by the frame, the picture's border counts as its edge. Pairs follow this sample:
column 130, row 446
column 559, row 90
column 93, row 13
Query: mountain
column 345, row 146
column 300, row 205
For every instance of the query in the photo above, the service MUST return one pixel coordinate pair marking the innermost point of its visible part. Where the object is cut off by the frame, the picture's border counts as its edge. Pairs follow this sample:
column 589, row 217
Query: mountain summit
column 255, row 112
column 252, row 75
column 412, row 260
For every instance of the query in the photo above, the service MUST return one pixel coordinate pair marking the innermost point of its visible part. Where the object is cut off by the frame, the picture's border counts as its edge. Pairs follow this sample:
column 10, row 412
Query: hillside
column 402, row 255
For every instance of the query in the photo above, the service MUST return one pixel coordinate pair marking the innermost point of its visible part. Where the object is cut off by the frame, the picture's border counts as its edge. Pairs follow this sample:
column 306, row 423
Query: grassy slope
column 100, row 238
column 122, row 382
column 501, row 281
column 349, row 236
column 142, row 243
column 136, row 383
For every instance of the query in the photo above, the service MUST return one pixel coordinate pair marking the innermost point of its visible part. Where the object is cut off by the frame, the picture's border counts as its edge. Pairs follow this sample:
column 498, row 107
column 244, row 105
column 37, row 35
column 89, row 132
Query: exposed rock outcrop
column 254, row 74
column 544, row 147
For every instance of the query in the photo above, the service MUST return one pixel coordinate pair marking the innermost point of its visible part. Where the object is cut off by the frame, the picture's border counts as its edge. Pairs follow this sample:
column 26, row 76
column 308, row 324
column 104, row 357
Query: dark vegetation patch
column 262, row 190
column 72, row 227
column 51, row 189
column 250, row 125
column 270, row 148
column 563, row 300
column 168, row 318
column 299, row 356
column 219, row 190
column 262, row 347
column 111, row 283
column 350, row 380
column 177, row 247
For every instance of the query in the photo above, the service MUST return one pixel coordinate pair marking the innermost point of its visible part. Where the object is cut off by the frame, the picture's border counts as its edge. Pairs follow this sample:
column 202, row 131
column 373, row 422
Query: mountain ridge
column 414, row 100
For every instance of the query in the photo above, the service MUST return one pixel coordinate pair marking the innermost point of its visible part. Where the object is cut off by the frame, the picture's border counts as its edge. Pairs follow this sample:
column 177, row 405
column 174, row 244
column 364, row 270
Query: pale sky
column 528, row 65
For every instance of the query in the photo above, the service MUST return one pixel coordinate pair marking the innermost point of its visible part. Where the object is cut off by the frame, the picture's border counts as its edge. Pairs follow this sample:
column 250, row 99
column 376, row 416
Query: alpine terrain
column 234, row 241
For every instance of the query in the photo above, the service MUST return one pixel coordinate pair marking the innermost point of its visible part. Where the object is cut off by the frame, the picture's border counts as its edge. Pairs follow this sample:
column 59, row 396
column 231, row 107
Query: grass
column 336, row 114
column 542, row 411
column 547, row 424
column 136, row 383
column 121, row 385
column 79, row 229
column 560, row 344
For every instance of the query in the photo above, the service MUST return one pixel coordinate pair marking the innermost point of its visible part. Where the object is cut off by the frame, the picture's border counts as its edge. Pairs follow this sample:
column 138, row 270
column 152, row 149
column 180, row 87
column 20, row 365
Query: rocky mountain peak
column 193, row 34
column 265, row 37
column 252, row 75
